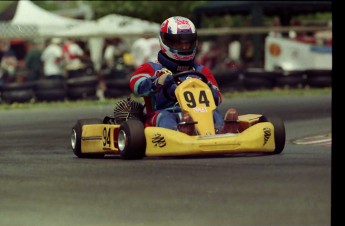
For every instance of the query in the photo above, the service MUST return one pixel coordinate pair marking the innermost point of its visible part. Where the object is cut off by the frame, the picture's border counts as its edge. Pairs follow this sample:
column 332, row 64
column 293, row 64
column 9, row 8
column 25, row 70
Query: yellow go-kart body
column 131, row 140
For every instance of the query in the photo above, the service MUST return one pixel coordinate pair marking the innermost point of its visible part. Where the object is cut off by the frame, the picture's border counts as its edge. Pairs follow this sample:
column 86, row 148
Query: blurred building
column 257, row 10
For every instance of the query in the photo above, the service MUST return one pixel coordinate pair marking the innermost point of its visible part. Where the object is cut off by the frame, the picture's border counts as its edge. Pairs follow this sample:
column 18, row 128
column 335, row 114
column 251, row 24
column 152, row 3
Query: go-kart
column 125, row 133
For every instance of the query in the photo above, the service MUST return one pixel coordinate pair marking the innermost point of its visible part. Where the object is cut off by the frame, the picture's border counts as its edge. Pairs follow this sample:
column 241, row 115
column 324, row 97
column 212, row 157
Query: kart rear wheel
column 131, row 139
column 76, row 138
column 279, row 134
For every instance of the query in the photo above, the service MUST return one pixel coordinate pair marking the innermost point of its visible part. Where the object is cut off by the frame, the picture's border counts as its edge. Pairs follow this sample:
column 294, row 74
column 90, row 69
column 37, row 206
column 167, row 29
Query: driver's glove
column 162, row 75
column 164, row 79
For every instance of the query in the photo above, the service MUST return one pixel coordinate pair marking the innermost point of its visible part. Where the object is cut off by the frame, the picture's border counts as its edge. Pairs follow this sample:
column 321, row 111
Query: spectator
column 210, row 54
column 113, row 52
column 33, row 61
column 145, row 49
column 8, row 64
column 52, row 58
column 73, row 56
column 233, row 59
column 247, row 53
column 155, row 47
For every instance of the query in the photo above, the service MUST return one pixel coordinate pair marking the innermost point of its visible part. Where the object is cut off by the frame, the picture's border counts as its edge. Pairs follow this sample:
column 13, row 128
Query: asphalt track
column 43, row 183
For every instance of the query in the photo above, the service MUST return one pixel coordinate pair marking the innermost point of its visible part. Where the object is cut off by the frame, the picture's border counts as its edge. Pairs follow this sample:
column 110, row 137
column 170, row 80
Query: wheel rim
column 74, row 139
column 122, row 140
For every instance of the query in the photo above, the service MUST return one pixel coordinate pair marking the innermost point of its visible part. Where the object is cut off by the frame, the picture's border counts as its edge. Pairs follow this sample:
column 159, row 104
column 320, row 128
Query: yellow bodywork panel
column 248, row 120
column 99, row 138
column 256, row 137
column 166, row 142
column 195, row 97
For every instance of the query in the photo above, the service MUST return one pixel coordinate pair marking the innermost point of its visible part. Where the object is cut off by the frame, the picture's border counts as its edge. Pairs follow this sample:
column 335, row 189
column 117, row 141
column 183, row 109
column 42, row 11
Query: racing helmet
column 178, row 38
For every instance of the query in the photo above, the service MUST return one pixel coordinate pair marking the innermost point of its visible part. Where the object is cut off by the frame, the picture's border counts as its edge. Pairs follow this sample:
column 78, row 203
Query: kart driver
column 154, row 80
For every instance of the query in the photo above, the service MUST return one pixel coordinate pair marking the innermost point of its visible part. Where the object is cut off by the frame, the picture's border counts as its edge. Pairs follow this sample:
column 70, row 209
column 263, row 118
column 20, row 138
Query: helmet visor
column 180, row 42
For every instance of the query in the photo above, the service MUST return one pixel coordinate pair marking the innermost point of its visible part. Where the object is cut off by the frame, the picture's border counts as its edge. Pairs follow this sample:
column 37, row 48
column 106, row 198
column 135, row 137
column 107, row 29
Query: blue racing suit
column 161, row 105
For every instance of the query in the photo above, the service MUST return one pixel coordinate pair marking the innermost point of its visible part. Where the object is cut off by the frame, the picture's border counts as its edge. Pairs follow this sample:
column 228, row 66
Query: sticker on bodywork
column 158, row 140
column 267, row 135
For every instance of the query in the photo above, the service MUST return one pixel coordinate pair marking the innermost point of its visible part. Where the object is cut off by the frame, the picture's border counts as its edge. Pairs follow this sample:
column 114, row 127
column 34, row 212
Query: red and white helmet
column 175, row 31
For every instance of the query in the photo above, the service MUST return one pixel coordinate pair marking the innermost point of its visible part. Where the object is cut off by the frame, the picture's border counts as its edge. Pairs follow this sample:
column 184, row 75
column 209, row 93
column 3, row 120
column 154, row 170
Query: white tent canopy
column 112, row 25
column 85, row 30
column 29, row 13
column 118, row 24
column 46, row 23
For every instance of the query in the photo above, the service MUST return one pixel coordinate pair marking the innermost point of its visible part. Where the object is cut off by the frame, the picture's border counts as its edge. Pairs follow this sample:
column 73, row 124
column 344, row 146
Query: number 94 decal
column 191, row 102
column 106, row 137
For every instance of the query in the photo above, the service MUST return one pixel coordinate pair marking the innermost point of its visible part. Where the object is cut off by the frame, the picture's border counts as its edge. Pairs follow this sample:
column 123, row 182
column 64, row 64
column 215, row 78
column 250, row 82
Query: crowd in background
column 29, row 60
column 52, row 59
column 66, row 58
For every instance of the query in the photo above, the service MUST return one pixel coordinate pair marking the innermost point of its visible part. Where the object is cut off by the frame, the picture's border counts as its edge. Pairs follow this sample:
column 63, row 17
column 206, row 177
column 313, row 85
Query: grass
column 234, row 94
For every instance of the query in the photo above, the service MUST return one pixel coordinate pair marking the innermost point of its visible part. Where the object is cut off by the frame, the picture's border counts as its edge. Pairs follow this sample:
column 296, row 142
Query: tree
column 155, row 11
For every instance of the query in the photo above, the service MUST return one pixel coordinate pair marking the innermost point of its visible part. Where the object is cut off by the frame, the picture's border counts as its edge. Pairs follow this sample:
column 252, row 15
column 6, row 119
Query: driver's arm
column 142, row 80
column 213, row 85
column 146, row 80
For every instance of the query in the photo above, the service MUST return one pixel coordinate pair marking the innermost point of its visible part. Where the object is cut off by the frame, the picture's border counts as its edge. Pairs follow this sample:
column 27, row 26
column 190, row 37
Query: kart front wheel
column 131, row 139
column 76, row 138
column 279, row 134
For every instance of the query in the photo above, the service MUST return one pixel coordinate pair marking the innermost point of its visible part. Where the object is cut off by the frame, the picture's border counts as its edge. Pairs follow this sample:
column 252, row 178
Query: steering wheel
column 177, row 80
column 190, row 72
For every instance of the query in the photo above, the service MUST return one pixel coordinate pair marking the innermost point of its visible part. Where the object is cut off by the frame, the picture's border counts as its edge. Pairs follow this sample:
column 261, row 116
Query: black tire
column 131, row 139
column 252, row 83
column 50, row 90
column 85, row 81
column 227, row 76
column 86, row 92
column 117, row 73
column 116, row 93
column 230, row 80
column 279, row 134
column 51, row 95
column 47, row 84
column 116, row 83
column 291, row 79
column 76, row 73
column 17, row 86
column 319, row 78
column 320, row 81
column 257, row 78
column 19, row 96
column 76, row 138
column 233, row 86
